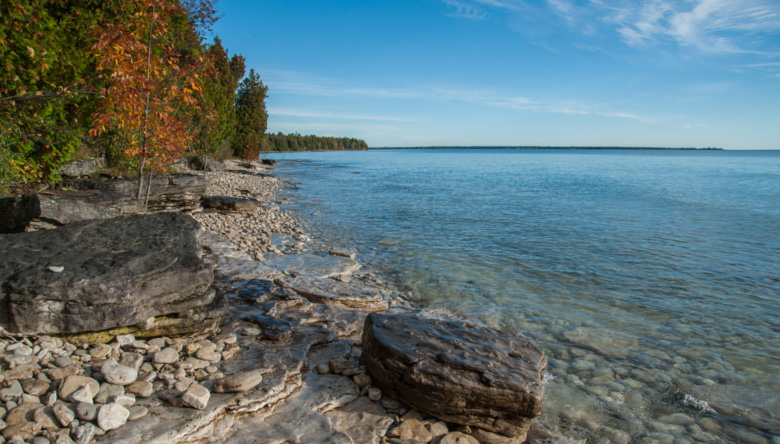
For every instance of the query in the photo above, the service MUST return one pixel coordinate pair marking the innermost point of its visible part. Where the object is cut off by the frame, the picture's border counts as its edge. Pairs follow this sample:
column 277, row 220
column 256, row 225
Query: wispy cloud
column 465, row 10
column 288, row 112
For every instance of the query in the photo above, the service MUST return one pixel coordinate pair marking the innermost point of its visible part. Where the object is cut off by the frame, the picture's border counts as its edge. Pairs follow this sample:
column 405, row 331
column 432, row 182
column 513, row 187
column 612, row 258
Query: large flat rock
column 311, row 265
column 102, row 274
column 330, row 292
column 35, row 211
column 457, row 372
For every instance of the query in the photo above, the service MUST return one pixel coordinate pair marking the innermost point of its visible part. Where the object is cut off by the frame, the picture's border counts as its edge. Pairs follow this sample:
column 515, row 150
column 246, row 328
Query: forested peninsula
column 133, row 82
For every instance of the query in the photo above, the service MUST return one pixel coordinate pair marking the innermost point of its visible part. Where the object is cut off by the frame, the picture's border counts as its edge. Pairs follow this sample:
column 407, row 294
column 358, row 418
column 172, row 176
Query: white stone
column 118, row 374
column 84, row 394
column 112, row 416
column 196, row 396
column 166, row 356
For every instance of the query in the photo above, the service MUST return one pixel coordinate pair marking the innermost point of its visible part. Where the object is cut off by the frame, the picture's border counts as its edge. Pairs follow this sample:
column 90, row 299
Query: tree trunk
column 145, row 125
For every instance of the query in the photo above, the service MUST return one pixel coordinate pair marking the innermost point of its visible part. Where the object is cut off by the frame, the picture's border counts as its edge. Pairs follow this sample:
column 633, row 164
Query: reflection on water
column 651, row 279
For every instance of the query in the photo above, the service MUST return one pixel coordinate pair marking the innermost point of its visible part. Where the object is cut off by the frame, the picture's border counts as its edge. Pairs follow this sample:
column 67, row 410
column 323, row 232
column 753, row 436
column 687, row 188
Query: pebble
column 362, row 380
column 374, row 394
column 137, row 412
column 35, row 387
column 84, row 394
column 86, row 411
column 338, row 365
column 74, row 382
column 112, row 416
column 414, row 429
column 196, row 397
column 63, row 413
column 62, row 361
column 141, row 389
column 238, row 383
column 84, row 433
column 323, row 369
column 166, row 356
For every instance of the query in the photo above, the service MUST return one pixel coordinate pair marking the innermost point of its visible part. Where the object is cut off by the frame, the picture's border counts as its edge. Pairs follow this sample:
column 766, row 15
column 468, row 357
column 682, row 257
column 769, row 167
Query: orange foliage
column 147, row 84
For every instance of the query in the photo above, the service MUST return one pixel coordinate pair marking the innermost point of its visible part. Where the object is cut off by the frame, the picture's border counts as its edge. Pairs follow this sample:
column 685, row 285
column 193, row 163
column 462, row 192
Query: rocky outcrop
column 457, row 372
column 177, row 192
column 104, row 274
column 41, row 211
column 230, row 204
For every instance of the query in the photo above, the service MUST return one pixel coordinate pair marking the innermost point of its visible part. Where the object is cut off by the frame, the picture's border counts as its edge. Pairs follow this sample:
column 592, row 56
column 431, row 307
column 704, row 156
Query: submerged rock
column 330, row 292
column 457, row 372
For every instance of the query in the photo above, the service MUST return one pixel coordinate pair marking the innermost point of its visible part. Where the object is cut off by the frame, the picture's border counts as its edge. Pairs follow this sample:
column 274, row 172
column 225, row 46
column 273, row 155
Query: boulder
column 80, row 168
column 230, row 204
column 457, row 372
column 40, row 211
column 116, row 272
column 203, row 163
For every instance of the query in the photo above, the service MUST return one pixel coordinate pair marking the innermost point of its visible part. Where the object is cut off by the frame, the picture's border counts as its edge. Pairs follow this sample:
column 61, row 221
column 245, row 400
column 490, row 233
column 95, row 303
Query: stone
column 62, row 361
column 124, row 340
column 414, row 429
column 458, row 438
column 141, row 389
column 21, row 413
column 44, row 417
column 108, row 391
column 26, row 430
column 362, row 380
column 36, row 387
column 63, row 413
column 116, row 373
column 339, row 365
column 311, row 265
column 100, row 351
column 342, row 252
column 374, row 394
column 22, row 372
column 132, row 360
column 57, row 374
column 209, row 354
column 84, row 433
column 230, row 204
column 238, row 383
column 126, row 401
column 196, row 397
column 137, row 412
column 13, row 391
column 73, row 383
column 112, row 416
column 323, row 369
column 79, row 168
column 84, row 394
column 86, row 411
column 457, row 372
column 120, row 272
column 166, row 356
column 330, row 292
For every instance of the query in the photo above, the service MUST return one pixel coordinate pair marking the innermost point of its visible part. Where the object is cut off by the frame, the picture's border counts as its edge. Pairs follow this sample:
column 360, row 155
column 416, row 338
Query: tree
column 251, row 116
column 147, row 84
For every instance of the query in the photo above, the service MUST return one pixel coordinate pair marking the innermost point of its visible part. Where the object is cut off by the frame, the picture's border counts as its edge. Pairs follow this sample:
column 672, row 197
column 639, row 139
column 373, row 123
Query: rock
column 323, row 369
column 73, row 383
column 203, row 163
column 118, row 374
column 330, row 292
column 166, row 356
column 227, row 204
column 108, row 391
column 339, row 365
column 13, row 391
column 22, row 413
column 137, row 412
column 269, row 162
column 57, row 374
column 62, row 361
column 141, row 389
column 415, row 430
column 63, row 413
column 84, row 433
column 22, row 372
column 310, row 265
column 45, row 418
column 100, row 351
column 374, row 394
column 342, row 252
column 123, row 340
column 35, row 387
column 238, row 383
column 132, row 360
column 458, row 438
column 84, row 394
column 457, row 372
column 196, row 397
column 112, row 416
column 79, row 168
column 120, row 272
column 38, row 211
column 362, row 380
column 86, row 411
column 126, row 401
column 26, row 430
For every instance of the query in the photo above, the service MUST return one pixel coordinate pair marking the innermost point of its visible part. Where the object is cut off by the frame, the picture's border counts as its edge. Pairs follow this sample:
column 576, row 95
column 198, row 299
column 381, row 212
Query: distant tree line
column 297, row 142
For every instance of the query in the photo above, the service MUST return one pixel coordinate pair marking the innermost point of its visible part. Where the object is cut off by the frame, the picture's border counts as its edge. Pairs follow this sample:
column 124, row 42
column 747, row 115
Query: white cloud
column 465, row 10
column 332, row 115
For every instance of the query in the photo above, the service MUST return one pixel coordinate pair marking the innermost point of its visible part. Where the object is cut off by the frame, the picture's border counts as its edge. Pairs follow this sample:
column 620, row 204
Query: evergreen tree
column 251, row 116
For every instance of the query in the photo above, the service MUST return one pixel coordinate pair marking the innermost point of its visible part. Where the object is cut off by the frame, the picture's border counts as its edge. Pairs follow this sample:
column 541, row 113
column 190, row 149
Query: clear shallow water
column 652, row 279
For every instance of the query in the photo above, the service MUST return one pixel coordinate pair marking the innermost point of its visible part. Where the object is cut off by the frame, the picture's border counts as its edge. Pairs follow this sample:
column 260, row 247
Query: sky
column 653, row 73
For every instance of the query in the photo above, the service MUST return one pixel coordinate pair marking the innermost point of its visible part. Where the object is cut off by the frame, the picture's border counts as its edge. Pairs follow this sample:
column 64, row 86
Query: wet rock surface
column 461, row 373
column 114, row 273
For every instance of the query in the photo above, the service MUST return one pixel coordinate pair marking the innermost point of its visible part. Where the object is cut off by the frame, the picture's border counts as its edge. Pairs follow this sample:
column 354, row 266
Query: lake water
column 651, row 279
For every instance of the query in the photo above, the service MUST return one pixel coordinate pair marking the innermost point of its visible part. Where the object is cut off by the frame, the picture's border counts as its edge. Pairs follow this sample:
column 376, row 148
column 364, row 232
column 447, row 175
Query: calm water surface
column 650, row 278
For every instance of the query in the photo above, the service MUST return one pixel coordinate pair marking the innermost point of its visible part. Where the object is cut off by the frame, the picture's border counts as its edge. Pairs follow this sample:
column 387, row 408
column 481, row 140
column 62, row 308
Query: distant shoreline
column 543, row 148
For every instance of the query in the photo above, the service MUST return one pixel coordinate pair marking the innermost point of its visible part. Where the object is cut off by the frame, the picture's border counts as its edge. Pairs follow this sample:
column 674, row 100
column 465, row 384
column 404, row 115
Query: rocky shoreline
column 288, row 363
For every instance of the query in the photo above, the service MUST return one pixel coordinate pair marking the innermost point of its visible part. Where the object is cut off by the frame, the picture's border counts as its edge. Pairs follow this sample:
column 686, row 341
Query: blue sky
column 516, row 72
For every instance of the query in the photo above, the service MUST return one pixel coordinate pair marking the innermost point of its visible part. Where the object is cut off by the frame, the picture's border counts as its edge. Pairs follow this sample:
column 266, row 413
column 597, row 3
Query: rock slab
column 458, row 372
column 116, row 272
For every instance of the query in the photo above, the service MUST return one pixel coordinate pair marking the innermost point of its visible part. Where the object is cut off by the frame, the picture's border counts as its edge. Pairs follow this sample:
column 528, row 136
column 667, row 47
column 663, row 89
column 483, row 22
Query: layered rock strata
column 104, row 274
column 461, row 373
